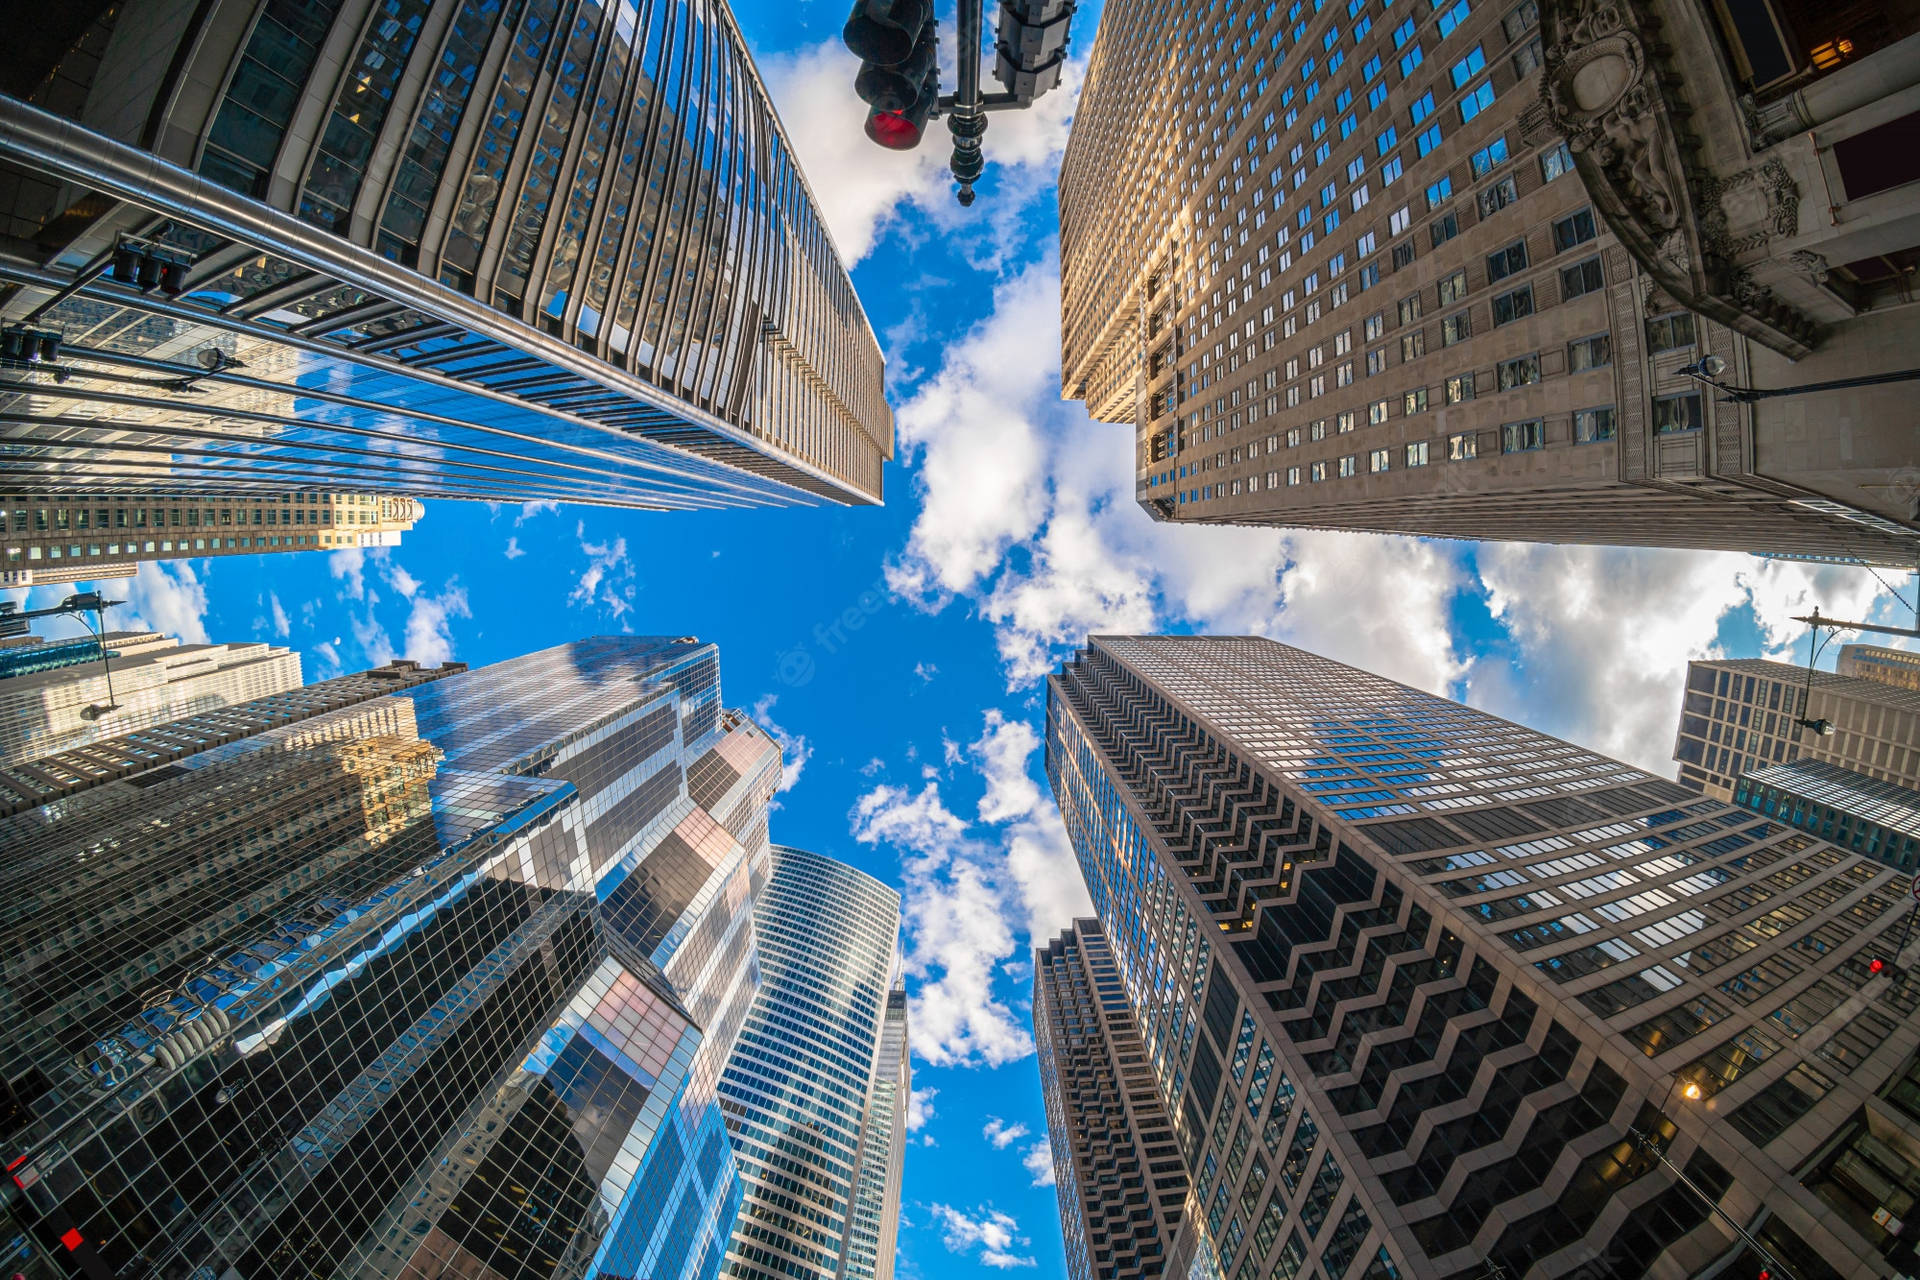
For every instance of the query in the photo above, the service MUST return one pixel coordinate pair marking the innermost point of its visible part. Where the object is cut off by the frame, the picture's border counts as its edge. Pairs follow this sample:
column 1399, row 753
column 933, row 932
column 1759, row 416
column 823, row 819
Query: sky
column 899, row 653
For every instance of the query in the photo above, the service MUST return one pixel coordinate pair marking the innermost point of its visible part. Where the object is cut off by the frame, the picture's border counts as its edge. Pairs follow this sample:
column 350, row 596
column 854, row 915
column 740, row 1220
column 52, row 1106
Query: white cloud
column 528, row 510
column 1001, row 1134
column 349, row 568
column 514, row 550
column 795, row 750
column 863, row 188
column 329, row 654
column 920, row 1108
column 608, row 577
column 926, row 671
column 994, row 1233
column 1002, row 750
column 398, row 578
column 1039, row 1162
column 282, row 624
column 429, row 624
column 164, row 596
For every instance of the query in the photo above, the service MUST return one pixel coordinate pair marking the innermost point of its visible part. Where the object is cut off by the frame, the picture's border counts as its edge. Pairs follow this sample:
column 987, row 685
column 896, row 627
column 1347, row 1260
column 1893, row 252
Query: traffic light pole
column 966, row 107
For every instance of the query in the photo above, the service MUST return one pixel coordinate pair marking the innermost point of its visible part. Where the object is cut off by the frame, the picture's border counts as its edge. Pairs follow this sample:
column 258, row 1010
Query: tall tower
column 815, row 1093
column 1351, row 267
column 1116, row 1170
column 494, row 249
column 1536, row 1012
column 436, row 982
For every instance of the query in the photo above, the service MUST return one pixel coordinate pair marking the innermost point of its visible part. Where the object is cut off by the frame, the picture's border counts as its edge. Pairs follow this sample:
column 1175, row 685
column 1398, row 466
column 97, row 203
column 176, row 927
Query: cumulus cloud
column 349, row 568
column 328, row 651
column 995, row 1234
column 514, row 550
column 430, row 624
column 164, row 596
column 398, row 578
column 920, row 1108
column 1001, row 1134
column 608, row 578
column 1039, row 1162
column 795, row 750
column 1002, row 750
column 282, row 624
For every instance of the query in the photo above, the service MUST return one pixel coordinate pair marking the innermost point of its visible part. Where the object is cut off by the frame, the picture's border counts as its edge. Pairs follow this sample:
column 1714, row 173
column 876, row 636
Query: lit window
column 1453, row 288
column 1377, row 412
column 1519, row 373
column 1417, row 454
column 1460, row 388
column 1590, row 425
column 1349, row 466
column 1414, row 401
column 1377, row 461
column 1521, row 437
column 1461, row 447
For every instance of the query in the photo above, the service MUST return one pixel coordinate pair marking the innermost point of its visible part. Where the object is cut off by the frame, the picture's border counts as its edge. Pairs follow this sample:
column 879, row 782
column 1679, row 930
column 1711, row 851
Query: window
column 1519, row 373
column 1293, row 475
column 1489, row 157
column 1428, row 141
column 1460, row 388
column 1413, row 345
column 1444, row 228
column 1409, row 309
column 1677, row 413
column 1508, row 307
column 1453, row 288
column 1575, row 228
column 1589, row 353
column 1376, row 325
column 1422, row 108
column 1504, row 262
column 1388, row 139
column 1527, row 59
column 1417, row 454
column 1317, row 472
column 1377, row 461
column 1580, row 278
column 1410, row 59
column 1403, row 33
column 1401, row 219
column 1390, row 172
column 1664, row 333
column 1469, row 67
column 1590, row 425
column 1520, row 21
column 1452, row 18
column 1520, row 437
column 1414, row 401
column 1317, row 430
column 1349, row 466
column 1461, row 447
column 1556, row 162
column 1403, row 255
column 1343, row 423
column 1477, row 101
column 1497, row 197
column 1457, row 327
column 1377, row 412
column 1376, row 361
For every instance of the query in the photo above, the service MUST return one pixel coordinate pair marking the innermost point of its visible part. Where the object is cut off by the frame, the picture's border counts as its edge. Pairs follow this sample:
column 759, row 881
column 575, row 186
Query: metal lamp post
column 1708, row 369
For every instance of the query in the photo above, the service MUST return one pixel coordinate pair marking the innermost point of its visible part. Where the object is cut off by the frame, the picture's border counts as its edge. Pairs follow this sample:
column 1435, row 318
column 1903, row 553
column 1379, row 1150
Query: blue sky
column 899, row 651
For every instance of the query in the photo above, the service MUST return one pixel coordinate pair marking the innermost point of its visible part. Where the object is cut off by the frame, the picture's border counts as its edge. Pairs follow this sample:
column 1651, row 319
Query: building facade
column 1898, row 667
column 816, row 1091
column 29, row 655
column 1511, row 990
column 148, row 681
column 1116, row 1170
column 1740, row 714
column 1874, row 819
column 437, row 982
column 1337, row 268
column 69, row 537
column 501, row 249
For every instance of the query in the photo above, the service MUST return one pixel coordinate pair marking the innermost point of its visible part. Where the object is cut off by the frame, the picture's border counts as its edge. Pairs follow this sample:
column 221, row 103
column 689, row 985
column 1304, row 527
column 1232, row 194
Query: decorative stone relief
column 1811, row 263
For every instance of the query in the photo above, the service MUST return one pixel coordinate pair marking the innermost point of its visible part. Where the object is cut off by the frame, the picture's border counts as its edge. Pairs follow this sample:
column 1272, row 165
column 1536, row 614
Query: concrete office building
column 57, row 537
column 436, row 982
column 494, row 249
column 1897, row 667
column 816, row 1092
column 1872, row 818
column 1512, row 989
column 1116, row 1171
column 1336, row 267
column 29, row 655
column 1740, row 714
column 148, row 681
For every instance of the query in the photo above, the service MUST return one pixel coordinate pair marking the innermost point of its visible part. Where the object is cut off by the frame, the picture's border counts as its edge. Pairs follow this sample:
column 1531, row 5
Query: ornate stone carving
column 1811, row 263
column 1607, row 89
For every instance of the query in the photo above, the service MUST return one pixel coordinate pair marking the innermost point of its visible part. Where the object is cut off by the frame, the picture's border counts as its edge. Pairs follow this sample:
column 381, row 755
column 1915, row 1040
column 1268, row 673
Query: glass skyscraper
column 437, row 982
column 1429, row 994
column 816, row 1092
column 498, row 249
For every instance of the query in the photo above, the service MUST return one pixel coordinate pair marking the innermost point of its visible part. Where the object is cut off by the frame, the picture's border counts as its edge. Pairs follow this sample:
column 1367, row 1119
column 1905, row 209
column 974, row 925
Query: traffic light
column 1875, row 965
column 897, row 44
column 1031, row 46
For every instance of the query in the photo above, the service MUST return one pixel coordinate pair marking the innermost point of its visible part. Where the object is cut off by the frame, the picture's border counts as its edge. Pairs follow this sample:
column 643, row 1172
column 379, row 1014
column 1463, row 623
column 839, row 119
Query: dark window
column 1677, row 413
column 1443, row 229
column 1664, row 333
column 1506, row 261
column 1512, row 306
column 1581, row 277
column 1575, row 228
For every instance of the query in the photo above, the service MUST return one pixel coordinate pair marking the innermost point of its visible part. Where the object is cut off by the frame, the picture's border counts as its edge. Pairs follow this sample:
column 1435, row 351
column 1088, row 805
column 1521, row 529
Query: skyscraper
column 436, row 983
column 497, row 249
column 1513, row 991
column 1338, row 268
column 146, row 681
column 1872, row 818
column 816, row 1091
column 1899, row 667
column 1116, row 1170
column 64, row 536
column 1745, row 713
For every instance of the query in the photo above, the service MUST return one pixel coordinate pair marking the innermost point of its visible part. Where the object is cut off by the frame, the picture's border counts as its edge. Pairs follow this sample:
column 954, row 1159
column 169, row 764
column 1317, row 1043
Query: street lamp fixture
column 1707, row 370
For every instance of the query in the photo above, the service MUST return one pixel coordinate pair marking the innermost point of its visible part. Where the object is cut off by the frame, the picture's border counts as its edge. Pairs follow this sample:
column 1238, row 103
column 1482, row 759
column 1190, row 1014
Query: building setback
column 1899, row 667
column 1337, row 269
column 509, row 250
column 1741, row 713
column 1117, row 1172
column 146, row 681
column 434, row 983
column 1482, row 960
column 68, row 537
column 1876, row 819
column 816, row 1091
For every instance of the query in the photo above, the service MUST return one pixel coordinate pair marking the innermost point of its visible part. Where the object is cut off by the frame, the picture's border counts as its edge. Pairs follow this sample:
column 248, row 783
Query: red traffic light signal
column 1876, row 964
column 896, row 41
column 894, row 130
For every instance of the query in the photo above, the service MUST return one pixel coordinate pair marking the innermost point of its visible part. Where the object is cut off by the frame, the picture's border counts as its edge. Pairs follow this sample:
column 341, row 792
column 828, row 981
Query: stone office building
column 1340, row 266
